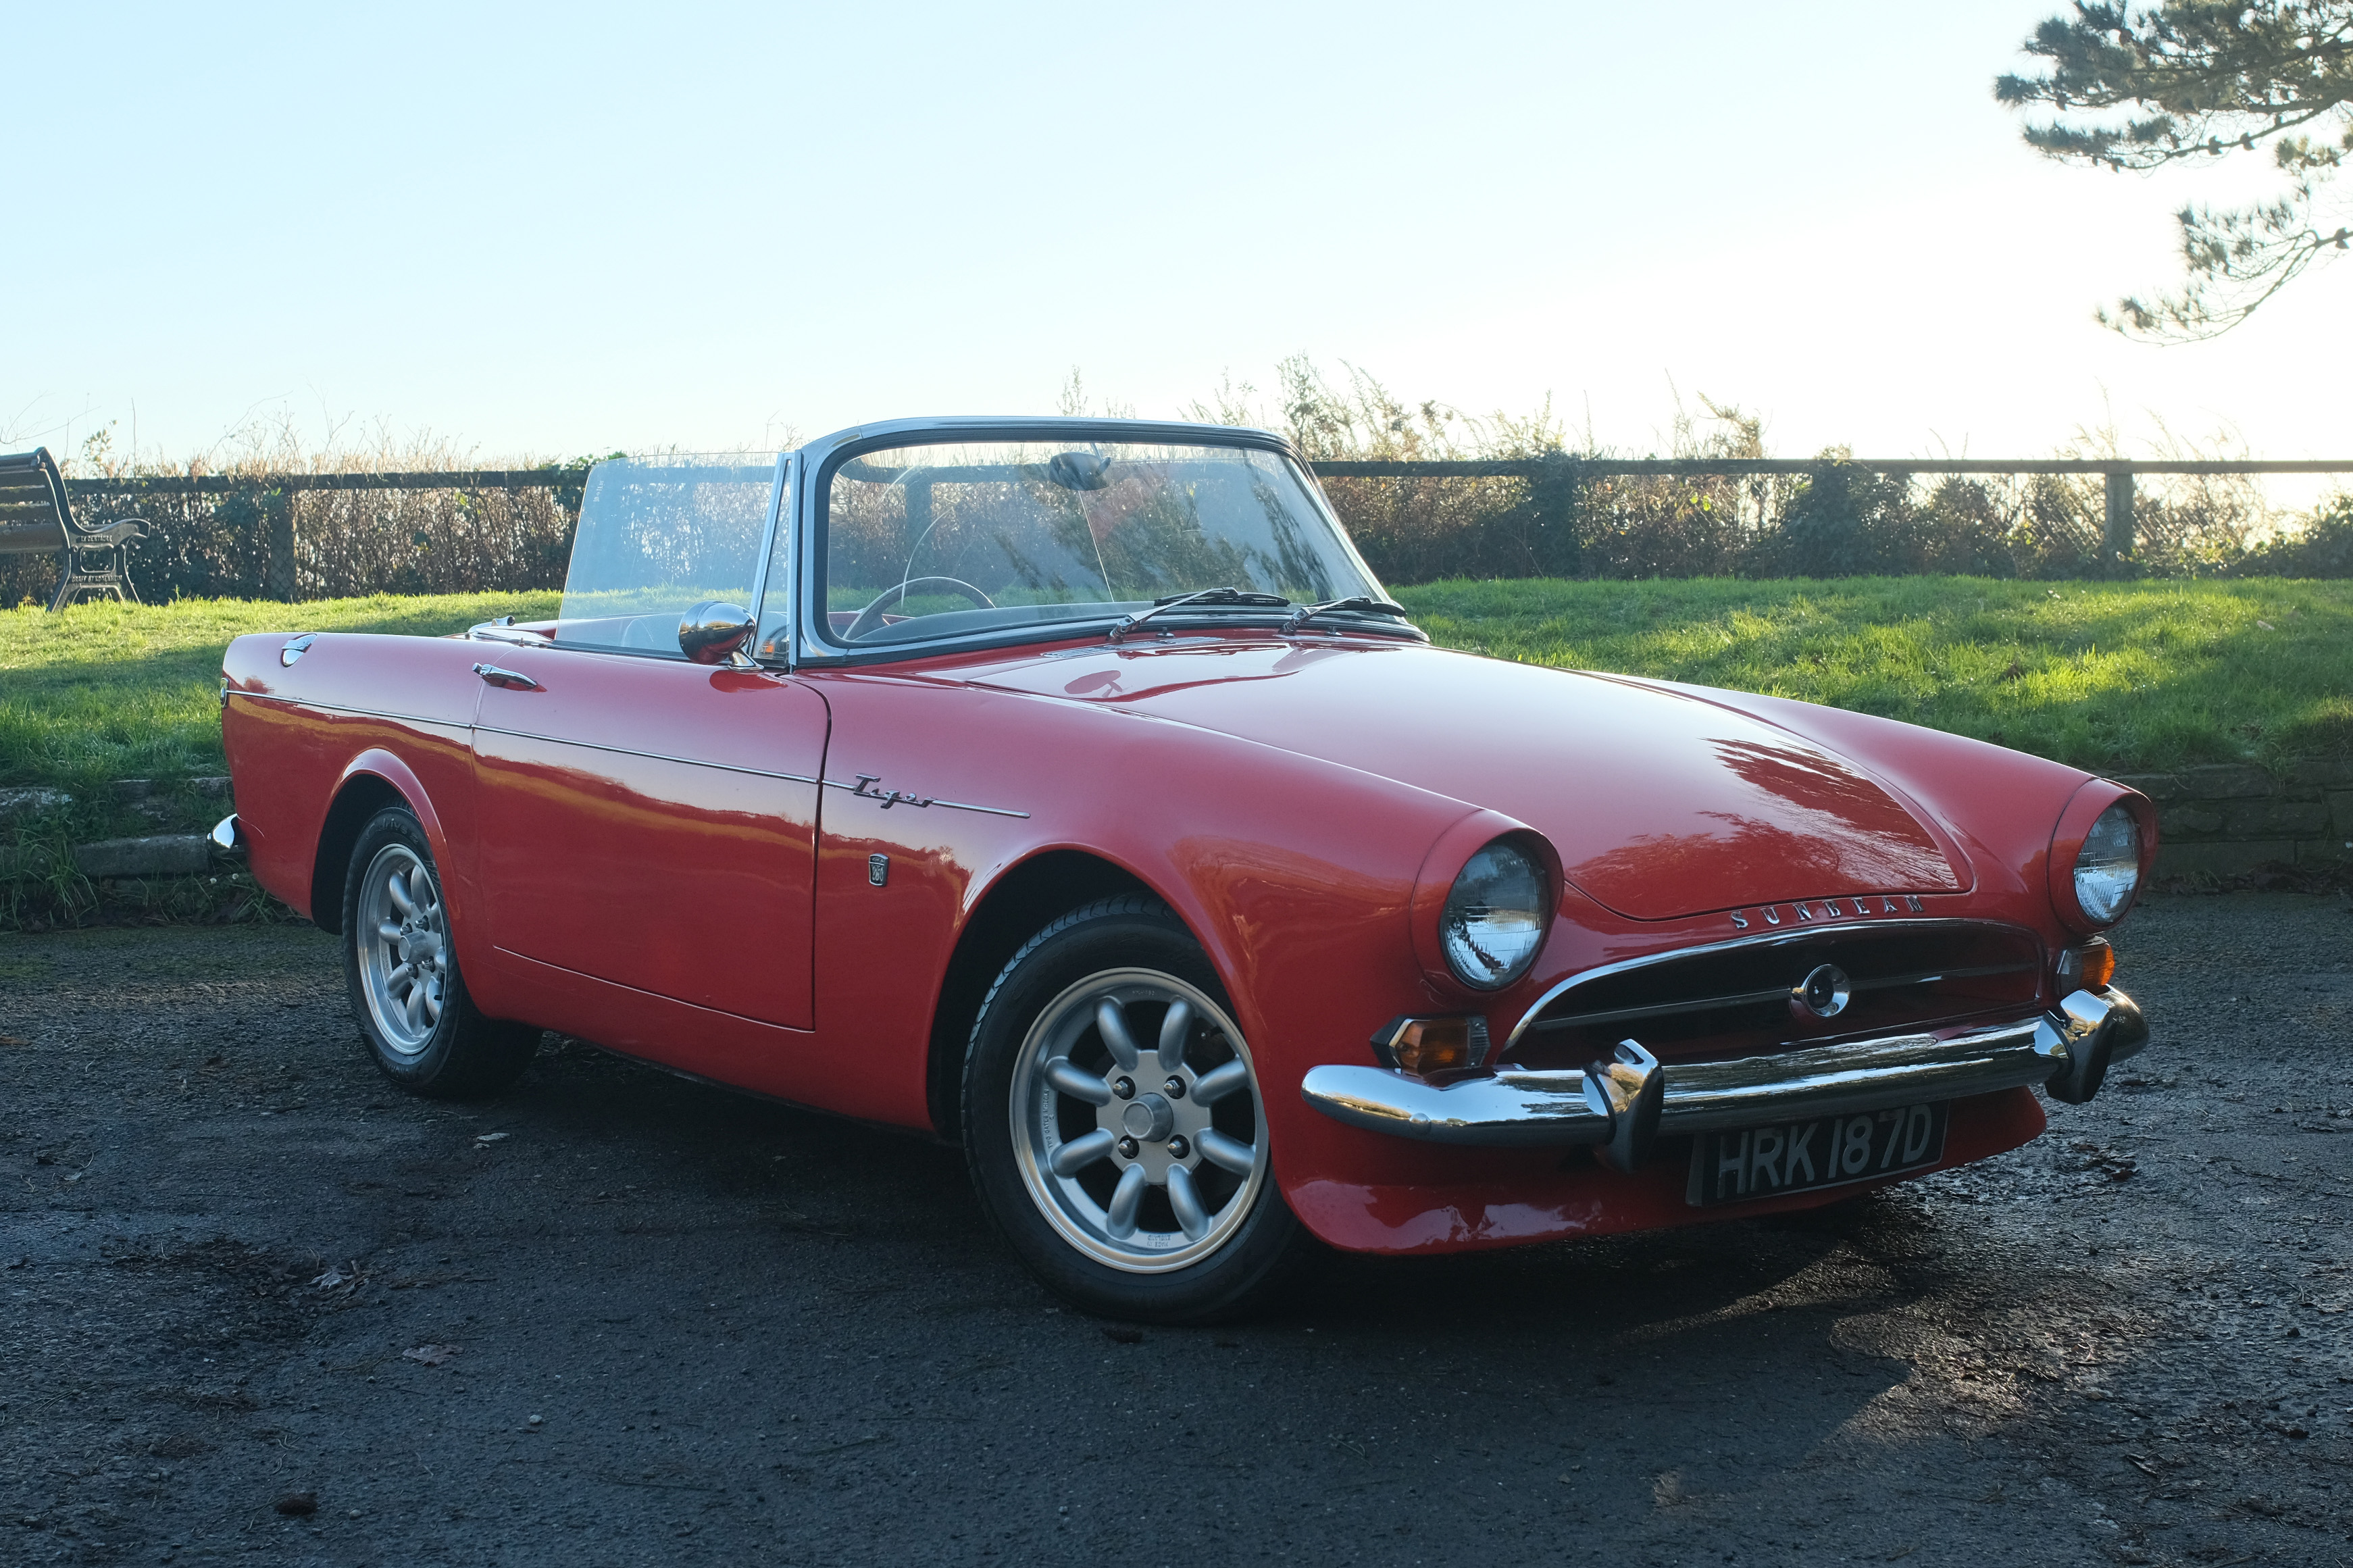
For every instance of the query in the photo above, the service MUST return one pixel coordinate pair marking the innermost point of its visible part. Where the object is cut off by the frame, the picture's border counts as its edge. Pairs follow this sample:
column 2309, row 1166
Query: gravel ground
column 677, row 1325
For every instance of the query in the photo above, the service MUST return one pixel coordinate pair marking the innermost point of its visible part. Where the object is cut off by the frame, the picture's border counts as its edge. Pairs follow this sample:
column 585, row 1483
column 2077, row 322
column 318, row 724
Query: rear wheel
column 1115, row 1124
column 415, row 1015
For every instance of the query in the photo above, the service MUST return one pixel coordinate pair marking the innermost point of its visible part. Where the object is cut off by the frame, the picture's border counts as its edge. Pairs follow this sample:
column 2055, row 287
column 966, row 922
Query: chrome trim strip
column 768, row 540
column 651, row 756
column 340, row 708
column 778, row 531
column 891, row 797
column 1512, row 1109
column 514, row 637
column 1929, row 976
column 1767, row 939
column 1776, row 993
column 1661, row 1010
column 556, row 740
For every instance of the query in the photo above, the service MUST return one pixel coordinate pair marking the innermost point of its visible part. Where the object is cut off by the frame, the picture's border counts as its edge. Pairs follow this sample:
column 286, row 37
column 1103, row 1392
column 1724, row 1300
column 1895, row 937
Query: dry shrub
column 1568, row 520
column 346, row 543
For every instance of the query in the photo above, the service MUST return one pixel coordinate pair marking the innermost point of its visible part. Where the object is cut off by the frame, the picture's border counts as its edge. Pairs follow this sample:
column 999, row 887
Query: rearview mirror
column 715, row 632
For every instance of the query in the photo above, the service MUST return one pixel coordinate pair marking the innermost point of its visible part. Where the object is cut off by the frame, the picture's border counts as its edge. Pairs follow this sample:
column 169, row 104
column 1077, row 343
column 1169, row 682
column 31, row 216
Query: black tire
column 455, row 1053
column 1245, row 1251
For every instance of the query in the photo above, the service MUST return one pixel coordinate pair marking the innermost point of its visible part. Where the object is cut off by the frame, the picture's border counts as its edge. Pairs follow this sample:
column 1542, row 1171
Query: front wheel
column 1114, row 1124
column 417, row 1021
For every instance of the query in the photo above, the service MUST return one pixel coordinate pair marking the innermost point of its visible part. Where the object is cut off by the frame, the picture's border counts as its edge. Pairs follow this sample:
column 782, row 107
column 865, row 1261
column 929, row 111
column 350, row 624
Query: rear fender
column 370, row 781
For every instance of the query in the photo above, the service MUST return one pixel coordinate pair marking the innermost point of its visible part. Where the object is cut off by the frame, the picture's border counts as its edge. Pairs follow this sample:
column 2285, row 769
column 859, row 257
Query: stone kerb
column 2219, row 820
column 2231, row 817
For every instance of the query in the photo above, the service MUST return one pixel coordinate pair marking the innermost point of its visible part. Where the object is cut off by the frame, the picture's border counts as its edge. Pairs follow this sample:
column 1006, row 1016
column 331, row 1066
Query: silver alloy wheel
column 404, row 948
column 1137, row 1120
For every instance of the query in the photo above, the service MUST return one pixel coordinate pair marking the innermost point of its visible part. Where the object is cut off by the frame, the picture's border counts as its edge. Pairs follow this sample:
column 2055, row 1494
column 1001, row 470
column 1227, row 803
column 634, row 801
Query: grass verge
column 109, row 691
column 2117, row 675
column 2111, row 677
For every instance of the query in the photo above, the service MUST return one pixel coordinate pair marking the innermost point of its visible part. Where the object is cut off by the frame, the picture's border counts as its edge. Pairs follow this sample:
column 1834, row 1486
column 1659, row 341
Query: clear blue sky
column 553, row 230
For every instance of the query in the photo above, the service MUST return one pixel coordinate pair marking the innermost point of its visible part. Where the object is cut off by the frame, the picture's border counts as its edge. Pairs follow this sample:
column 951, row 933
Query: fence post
column 279, row 506
column 1553, row 496
column 2120, row 539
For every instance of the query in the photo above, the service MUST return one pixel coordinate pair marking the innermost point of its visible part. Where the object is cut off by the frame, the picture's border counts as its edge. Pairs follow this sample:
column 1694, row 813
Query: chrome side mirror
column 715, row 632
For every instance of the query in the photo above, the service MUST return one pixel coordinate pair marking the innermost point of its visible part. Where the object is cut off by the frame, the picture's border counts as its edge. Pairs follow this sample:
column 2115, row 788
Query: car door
column 653, row 822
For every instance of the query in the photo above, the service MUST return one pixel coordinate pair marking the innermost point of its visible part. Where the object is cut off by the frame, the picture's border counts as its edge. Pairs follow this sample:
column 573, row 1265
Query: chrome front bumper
column 1620, row 1105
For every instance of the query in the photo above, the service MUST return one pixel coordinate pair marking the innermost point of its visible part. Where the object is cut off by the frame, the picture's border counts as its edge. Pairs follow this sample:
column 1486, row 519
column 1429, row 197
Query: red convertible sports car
column 1069, row 790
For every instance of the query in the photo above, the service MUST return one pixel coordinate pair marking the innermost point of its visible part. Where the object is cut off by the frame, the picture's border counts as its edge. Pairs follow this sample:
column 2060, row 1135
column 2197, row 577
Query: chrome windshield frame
column 814, row 464
column 779, row 488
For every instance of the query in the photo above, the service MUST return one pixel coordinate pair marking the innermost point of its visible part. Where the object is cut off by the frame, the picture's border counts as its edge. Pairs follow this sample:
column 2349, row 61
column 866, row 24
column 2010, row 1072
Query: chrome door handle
column 513, row 679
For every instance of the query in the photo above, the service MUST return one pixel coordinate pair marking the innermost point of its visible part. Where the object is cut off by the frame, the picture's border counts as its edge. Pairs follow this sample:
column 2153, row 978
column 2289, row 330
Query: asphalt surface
column 678, row 1325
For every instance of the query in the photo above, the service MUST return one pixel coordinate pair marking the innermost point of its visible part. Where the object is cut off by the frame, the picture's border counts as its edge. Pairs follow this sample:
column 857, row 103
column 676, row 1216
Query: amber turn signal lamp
column 1426, row 1047
column 2087, row 968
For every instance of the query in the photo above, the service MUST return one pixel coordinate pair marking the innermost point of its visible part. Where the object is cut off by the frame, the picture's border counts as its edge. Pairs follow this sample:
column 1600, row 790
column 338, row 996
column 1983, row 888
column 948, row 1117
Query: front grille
column 1734, row 999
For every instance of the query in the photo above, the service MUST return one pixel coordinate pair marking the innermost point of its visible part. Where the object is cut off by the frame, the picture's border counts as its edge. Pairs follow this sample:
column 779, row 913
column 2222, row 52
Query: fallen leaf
column 13, row 1040
column 431, row 1355
column 297, row 1505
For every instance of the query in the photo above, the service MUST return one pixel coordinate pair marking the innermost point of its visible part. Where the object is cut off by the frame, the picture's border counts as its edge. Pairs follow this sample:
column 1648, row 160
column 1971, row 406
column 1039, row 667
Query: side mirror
column 715, row 632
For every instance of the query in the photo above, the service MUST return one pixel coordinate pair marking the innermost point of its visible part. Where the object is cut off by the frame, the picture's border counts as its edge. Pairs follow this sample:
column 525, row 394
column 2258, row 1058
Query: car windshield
column 922, row 542
column 658, row 536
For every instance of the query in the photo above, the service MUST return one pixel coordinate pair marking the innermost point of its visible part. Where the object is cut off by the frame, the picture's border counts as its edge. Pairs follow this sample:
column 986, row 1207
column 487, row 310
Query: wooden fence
column 1554, row 482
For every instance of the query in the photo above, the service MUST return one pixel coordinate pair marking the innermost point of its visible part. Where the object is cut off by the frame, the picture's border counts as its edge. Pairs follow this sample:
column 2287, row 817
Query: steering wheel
column 871, row 615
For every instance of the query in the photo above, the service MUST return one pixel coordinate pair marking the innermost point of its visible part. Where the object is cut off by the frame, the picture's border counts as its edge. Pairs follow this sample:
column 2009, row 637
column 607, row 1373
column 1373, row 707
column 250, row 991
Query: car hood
column 1660, row 805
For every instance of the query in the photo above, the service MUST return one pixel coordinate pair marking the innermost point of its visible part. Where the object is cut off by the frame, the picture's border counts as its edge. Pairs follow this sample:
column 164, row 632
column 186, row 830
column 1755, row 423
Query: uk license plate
column 1768, row 1161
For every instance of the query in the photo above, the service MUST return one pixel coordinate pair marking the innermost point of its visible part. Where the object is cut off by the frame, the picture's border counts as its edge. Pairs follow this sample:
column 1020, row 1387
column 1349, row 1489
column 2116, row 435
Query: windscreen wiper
column 1222, row 596
column 1306, row 612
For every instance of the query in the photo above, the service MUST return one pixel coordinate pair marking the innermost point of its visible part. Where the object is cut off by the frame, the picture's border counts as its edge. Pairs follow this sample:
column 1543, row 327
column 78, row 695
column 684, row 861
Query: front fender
column 1297, row 875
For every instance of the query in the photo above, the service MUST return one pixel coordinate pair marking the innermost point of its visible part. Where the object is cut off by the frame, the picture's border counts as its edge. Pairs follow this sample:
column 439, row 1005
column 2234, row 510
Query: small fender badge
column 889, row 797
column 878, row 870
column 864, row 789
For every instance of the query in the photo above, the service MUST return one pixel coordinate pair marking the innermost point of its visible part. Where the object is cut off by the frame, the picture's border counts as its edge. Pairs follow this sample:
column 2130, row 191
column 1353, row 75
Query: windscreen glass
column 658, row 536
column 936, row 541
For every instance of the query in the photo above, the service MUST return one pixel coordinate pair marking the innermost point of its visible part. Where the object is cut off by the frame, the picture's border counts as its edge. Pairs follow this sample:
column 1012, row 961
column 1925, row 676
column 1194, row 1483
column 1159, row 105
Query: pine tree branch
column 2211, row 78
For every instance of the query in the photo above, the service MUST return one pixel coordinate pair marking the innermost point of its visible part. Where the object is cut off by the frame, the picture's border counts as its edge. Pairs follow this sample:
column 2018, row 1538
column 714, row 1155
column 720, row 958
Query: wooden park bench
column 36, row 516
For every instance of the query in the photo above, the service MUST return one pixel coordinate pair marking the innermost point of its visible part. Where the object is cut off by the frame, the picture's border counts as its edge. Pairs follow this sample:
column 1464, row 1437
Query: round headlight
column 1494, row 918
column 2107, row 869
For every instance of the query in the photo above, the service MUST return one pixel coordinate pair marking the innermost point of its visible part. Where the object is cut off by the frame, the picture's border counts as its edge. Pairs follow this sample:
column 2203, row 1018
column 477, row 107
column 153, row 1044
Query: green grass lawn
column 109, row 691
column 2118, row 677
column 2112, row 677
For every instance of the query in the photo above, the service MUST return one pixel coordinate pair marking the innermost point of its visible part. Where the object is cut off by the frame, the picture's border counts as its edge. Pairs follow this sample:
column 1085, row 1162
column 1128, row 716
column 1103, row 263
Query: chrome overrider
column 1619, row 1106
